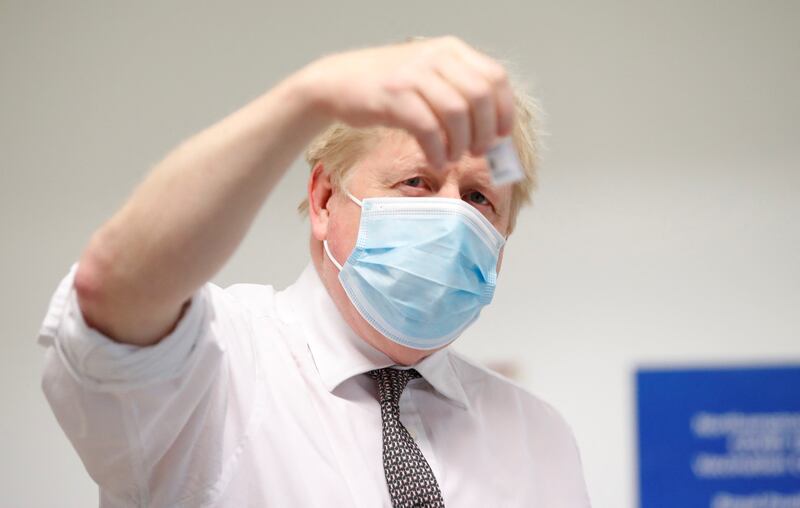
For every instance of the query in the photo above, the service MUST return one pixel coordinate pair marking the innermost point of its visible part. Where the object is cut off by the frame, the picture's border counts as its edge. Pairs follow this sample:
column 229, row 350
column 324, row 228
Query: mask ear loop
column 325, row 242
column 330, row 256
column 354, row 199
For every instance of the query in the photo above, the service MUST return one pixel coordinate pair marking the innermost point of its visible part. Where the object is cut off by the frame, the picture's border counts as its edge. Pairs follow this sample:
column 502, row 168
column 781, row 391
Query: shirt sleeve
column 139, row 414
column 101, row 364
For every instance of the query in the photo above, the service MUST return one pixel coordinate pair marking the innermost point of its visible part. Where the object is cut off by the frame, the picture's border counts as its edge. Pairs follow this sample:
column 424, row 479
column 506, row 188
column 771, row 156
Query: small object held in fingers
column 504, row 165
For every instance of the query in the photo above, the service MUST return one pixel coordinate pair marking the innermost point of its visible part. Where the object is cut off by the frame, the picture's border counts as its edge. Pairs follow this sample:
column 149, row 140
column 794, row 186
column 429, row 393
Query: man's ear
column 320, row 191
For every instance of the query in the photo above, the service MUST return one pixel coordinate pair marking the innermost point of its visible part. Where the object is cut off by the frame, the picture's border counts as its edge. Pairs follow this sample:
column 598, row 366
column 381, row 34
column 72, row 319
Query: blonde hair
column 340, row 146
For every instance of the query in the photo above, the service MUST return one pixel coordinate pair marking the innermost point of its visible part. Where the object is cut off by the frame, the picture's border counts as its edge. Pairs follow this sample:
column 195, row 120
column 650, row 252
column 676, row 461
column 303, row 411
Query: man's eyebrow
column 482, row 180
column 404, row 165
column 391, row 172
column 409, row 163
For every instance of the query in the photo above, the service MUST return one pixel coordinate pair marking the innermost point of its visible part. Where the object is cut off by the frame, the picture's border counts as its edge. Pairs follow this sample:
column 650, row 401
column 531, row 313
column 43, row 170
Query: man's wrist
column 302, row 93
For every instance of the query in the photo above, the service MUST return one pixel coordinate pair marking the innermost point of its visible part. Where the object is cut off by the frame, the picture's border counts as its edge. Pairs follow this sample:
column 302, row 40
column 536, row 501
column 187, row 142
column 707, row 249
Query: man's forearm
column 190, row 213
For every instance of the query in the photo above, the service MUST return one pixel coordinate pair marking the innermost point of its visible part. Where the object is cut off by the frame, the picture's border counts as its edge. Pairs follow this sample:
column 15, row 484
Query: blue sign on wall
column 719, row 438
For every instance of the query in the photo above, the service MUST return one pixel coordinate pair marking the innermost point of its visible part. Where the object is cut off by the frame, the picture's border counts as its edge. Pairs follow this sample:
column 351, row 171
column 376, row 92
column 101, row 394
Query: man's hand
column 449, row 96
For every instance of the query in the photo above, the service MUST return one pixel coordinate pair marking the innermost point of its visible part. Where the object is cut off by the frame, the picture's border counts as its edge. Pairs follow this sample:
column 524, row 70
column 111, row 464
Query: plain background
column 665, row 229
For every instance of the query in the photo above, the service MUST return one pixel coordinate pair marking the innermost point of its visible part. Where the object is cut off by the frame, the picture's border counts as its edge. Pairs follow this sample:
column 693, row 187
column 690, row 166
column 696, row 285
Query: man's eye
column 477, row 198
column 413, row 182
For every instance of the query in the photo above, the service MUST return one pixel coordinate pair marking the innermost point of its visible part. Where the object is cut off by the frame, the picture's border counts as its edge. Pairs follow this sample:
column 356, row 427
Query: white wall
column 665, row 228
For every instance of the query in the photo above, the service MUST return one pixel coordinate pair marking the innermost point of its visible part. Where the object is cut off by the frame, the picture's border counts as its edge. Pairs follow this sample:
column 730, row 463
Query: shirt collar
column 339, row 353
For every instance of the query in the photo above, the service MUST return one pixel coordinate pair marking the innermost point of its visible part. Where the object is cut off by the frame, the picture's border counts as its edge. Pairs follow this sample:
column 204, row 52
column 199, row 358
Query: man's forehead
column 399, row 154
column 399, row 149
column 411, row 158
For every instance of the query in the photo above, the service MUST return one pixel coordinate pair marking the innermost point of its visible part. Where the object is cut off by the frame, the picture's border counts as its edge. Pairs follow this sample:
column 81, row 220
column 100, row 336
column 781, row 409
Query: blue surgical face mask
column 422, row 268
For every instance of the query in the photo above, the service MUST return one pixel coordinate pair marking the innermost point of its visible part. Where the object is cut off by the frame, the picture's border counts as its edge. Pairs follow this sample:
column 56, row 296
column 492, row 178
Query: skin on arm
column 187, row 217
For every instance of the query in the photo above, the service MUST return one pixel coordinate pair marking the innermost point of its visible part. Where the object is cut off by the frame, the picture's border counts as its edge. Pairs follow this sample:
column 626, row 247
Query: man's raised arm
column 187, row 217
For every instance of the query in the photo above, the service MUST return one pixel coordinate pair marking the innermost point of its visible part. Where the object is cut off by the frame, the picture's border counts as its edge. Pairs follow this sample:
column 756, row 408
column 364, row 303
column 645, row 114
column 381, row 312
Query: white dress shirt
column 258, row 398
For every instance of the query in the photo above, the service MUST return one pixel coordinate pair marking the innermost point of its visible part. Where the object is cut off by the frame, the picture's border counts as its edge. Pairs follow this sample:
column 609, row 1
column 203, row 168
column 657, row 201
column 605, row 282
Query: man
column 339, row 390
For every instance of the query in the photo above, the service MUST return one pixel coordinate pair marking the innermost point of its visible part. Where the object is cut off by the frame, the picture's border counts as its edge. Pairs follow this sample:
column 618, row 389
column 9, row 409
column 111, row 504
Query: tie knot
column 392, row 382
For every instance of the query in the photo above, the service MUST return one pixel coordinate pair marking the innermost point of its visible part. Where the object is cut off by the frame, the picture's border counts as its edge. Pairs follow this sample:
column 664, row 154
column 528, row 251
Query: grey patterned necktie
column 410, row 478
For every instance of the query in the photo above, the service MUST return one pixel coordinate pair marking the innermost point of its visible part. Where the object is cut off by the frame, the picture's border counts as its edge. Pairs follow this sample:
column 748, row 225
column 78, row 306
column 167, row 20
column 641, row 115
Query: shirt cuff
column 97, row 362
